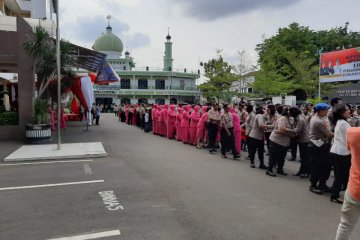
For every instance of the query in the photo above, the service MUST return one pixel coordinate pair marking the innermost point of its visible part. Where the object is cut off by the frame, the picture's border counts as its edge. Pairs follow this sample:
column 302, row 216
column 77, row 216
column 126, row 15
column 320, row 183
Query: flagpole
column 58, row 77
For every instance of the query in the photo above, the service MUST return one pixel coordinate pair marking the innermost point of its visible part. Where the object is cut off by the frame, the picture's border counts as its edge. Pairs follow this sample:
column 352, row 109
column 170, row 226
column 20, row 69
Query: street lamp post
column 319, row 52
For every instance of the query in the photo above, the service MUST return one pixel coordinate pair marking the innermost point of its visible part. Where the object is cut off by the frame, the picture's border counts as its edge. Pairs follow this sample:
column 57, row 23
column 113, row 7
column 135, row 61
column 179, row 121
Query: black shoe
column 247, row 158
column 262, row 166
column 298, row 174
column 270, row 173
column 252, row 165
column 336, row 200
column 304, row 175
column 236, row 156
column 315, row 190
column 212, row 150
column 223, row 156
column 325, row 188
column 282, row 173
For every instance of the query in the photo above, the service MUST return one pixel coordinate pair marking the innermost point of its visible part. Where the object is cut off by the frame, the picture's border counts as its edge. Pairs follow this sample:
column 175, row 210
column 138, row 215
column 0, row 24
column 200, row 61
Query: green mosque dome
column 108, row 42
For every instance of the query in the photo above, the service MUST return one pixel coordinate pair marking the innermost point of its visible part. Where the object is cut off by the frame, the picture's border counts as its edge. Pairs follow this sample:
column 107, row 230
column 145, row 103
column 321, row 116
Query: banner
column 106, row 74
column 340, row 66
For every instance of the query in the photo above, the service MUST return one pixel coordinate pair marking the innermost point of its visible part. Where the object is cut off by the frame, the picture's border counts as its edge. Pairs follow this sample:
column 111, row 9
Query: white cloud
column 142, row 25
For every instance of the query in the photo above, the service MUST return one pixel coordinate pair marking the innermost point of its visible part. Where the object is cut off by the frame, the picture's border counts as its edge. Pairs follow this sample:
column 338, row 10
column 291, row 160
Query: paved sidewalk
column 74, row 145
column 50, row 152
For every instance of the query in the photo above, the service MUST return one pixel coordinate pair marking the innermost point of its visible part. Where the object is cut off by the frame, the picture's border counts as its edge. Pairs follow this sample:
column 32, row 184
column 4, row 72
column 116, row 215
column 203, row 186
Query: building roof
column 108, row 42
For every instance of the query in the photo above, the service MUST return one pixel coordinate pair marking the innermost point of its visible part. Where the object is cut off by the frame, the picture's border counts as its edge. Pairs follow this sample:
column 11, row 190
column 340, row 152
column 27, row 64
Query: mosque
column 143, row 85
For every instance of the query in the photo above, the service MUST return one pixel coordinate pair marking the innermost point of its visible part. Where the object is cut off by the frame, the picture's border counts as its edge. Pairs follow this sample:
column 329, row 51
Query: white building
column 143, row 85
column 35, row 12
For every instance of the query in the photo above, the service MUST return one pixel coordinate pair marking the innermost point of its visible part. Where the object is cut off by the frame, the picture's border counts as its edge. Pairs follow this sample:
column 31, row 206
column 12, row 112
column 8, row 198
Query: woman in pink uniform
column 153, row 119
column 237, row 130
column 126, row 114
column 194, row 119
column 160, row 122
column 134, row 115
column 201, row 128
column 164, row 113
column 179, row 117
column 185, row 124
column 171, row 119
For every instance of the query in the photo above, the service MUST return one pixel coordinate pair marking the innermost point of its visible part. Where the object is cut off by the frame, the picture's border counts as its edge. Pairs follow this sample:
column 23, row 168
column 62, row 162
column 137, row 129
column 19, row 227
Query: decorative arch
column 173, row 101
column 160, row 101
column 142, row 101
column 125, row 100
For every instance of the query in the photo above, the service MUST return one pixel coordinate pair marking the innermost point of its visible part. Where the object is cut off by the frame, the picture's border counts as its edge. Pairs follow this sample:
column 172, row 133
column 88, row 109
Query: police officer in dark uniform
column 320, row 138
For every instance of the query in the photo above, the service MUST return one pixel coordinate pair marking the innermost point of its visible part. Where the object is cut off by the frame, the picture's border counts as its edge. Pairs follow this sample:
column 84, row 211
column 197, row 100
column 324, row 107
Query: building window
column 182, row 84
column 143, row 84
column 159, row 84
column 250, row 90
column 125, row 83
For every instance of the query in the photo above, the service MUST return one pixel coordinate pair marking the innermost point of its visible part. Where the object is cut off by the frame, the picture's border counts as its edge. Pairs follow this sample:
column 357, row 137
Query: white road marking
column 33, row 163
column 50, row 185
column 87, row 169
column 90, row 236
column 110, row 200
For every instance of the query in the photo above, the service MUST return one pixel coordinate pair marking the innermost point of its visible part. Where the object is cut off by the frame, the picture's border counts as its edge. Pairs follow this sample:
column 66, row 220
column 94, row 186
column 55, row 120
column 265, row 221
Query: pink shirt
column 195, row 117
column 353, row 144
column 186, row 117
column 202, row 120
column 236, row 120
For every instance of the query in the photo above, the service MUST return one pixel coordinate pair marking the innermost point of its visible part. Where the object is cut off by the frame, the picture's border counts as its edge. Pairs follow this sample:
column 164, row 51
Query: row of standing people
column 190, row 124
column 320, row 133
column 275, row 125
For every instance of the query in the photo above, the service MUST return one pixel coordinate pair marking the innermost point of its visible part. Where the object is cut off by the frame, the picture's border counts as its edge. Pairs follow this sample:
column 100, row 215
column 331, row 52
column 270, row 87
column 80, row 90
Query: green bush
column 9, row 118
column 41, row 115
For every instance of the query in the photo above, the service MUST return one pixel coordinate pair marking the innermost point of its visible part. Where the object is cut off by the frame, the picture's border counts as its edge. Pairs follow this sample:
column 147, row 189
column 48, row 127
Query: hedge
column 9, row 118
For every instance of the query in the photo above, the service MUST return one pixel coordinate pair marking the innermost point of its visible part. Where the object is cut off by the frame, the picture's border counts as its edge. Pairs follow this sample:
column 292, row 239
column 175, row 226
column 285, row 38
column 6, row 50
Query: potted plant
column 40, row 130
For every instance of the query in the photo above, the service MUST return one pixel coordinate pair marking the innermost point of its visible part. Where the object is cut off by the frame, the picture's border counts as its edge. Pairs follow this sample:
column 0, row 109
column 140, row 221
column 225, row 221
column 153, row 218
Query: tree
column 220, row 78
column 242, row 69
column 293, row 54
column 41, row 47
column 306, row 72
column 269, row 83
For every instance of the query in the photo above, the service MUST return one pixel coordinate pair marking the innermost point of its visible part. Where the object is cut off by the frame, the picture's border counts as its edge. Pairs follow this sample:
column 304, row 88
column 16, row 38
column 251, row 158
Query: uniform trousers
column 213, row 130
column 341, row 170
column 293, row 147
column 227, row 142
column 253, row 145
column 320, row 164
column 350, row 213
column 277, row 156
column 304, row 158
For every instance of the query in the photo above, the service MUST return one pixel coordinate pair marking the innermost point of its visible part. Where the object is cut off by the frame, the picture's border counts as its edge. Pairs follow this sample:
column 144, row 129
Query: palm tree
column 41, row 47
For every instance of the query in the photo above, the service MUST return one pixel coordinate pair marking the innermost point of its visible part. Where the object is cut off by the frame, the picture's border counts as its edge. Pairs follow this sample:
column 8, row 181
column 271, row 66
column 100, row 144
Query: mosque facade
column 143, row 85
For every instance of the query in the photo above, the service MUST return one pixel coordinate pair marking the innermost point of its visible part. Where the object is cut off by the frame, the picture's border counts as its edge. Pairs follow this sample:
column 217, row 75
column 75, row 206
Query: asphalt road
column 156, row 189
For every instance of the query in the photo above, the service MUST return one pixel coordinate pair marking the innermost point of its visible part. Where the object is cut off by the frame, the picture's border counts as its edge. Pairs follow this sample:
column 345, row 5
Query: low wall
column 12, row 133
